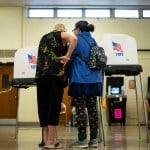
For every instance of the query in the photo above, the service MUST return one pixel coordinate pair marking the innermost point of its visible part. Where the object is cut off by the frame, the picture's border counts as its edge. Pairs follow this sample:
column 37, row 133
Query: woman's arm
column 72, row 40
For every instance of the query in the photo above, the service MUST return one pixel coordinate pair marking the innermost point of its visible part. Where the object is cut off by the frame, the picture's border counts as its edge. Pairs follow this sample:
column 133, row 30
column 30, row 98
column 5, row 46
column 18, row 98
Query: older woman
column 53, row 53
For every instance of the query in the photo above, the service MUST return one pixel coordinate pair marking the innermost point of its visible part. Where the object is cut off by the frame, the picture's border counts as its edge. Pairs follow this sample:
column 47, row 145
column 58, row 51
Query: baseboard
column 13, row 122
column 7, row 121
column 28, row 124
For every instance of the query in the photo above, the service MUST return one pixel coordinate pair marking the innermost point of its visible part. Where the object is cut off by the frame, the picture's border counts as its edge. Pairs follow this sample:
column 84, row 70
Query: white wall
column 137, row 28
column 10, row 27
column 17, row 31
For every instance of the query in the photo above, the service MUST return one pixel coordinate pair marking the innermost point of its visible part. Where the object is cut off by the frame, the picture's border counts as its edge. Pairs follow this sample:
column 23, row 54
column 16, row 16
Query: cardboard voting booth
column 25, row 66
column 25, row 61
column 120, row 49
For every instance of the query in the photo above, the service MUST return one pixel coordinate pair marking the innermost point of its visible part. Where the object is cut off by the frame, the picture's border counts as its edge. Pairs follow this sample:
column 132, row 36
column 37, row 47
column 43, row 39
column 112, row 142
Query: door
column 8, row 94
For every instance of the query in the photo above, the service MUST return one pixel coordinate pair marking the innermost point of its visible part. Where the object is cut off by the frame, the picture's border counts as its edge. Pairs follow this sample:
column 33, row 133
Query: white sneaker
column 93, row 143
column 79, row 144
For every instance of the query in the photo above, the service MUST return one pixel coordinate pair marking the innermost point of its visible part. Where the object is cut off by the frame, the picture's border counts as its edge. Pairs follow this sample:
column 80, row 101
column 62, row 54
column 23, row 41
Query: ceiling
column 77, row 3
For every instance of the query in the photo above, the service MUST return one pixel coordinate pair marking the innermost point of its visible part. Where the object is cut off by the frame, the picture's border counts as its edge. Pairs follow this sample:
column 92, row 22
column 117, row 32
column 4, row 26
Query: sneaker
column 79, row 144
column 93, row 143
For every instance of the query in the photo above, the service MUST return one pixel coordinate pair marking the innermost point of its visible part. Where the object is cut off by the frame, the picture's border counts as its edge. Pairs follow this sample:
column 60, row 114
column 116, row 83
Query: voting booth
column 24, row 71
column 25, row 66
column 121, row 51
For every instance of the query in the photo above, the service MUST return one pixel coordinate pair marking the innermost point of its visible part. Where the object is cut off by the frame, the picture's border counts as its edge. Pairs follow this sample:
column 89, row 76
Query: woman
column 53, row 53
column 85, row 86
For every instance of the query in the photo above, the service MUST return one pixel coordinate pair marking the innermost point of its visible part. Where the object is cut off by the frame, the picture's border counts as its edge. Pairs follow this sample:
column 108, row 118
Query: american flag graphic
column 117, row 47
column 32, row 59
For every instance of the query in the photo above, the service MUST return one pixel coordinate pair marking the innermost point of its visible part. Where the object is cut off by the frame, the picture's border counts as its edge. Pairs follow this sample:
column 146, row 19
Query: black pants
column 49, row 98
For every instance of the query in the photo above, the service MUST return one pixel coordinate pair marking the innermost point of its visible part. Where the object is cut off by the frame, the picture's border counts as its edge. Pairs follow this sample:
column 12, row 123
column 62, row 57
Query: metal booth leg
column 144, row 107
column 145, row 112
column 101, row 135
column 137, row 108
column 17, row 115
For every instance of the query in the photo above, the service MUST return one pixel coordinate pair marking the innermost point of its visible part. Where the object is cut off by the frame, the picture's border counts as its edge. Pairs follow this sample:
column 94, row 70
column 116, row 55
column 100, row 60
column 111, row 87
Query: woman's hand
column 63, row 59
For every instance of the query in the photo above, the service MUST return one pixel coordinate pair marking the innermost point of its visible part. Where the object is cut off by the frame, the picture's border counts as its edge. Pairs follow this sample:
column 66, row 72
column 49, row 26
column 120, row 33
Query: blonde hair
column 59, row 27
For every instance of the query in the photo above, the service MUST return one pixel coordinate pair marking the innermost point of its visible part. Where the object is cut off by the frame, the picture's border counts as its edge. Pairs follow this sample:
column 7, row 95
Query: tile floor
column 116, row 138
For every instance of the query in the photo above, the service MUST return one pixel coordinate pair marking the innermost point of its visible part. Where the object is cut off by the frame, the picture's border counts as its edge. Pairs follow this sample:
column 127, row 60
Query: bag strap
column 85, row 40
column 82, row 58
column 88, row 41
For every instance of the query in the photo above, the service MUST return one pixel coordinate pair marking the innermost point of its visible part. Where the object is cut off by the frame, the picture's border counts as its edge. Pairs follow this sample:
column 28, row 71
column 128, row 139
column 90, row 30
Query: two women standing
column 84, row 84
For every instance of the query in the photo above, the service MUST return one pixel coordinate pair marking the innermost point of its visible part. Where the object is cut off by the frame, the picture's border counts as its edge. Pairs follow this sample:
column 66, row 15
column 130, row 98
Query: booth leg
column 101, row 135
column 145, row 112
column 137, row 104
column 16, row 127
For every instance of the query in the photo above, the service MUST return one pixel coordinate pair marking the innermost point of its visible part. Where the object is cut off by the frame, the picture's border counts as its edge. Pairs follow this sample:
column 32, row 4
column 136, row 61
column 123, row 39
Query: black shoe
column 57, row 144
column 41, row 144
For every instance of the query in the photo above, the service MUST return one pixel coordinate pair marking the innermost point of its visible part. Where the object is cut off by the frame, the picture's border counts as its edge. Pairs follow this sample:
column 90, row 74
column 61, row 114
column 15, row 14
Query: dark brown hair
column 84, row 26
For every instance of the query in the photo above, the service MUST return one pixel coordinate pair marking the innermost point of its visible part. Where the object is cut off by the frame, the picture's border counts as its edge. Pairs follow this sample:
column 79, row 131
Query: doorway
column 8, row 94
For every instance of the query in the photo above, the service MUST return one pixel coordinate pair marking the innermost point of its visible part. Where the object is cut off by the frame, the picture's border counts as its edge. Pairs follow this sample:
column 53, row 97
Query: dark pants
column 49, row 98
